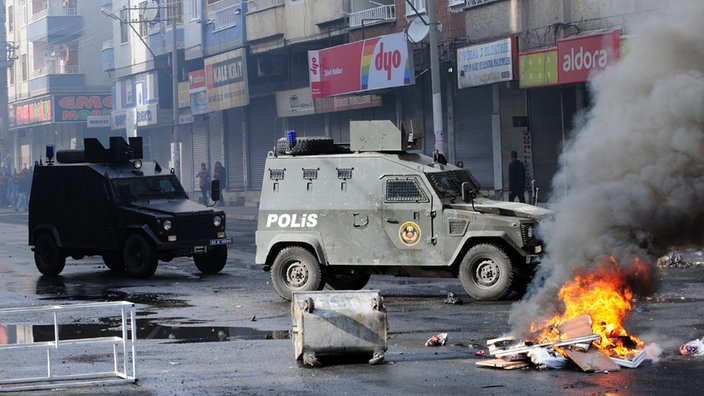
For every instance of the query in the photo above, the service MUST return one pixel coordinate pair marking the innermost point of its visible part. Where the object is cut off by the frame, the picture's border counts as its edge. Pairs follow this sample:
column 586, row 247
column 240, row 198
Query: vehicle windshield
column 154, row 187
column 449, row 184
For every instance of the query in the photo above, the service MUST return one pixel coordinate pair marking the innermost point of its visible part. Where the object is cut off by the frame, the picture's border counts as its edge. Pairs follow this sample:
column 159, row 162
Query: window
column 143, row 23
column 418, row 4
column 10, row 19
column 170, row 15
column 194, row 9
column 404, row 190
column 23, row 62
column 455, row 2
column 124, row 34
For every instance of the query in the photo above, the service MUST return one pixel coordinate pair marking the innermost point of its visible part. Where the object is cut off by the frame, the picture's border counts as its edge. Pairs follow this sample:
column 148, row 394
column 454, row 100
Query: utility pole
column 5, row 60
column 435, row 79
column 175, row 149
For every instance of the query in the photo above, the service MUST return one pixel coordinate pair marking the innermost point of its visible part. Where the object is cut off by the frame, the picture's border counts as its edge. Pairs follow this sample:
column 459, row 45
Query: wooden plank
column 580, row 326
column 594, row 359
column 504, row 364
column 632, row 361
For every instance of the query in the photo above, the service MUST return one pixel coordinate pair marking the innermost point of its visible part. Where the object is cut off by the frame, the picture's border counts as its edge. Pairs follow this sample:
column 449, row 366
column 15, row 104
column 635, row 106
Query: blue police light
column 49, row 152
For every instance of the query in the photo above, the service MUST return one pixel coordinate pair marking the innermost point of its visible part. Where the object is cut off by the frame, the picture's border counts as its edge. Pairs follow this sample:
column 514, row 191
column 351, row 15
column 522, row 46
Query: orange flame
column 605, row 296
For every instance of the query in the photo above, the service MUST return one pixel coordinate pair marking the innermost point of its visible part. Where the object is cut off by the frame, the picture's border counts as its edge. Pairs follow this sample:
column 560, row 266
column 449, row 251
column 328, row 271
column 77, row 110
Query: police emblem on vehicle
column 409, row 232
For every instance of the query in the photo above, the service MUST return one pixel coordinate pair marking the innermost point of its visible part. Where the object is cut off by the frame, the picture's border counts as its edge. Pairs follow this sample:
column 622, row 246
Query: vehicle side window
column 404, row 190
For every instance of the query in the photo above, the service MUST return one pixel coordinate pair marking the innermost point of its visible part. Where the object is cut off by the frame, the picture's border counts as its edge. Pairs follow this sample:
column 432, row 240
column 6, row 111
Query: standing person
column 204, row 182
column 219, row 174
column 516, row 179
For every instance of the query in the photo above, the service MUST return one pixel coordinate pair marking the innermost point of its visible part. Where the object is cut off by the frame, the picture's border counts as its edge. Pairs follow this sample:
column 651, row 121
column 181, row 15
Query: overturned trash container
column 328, row 323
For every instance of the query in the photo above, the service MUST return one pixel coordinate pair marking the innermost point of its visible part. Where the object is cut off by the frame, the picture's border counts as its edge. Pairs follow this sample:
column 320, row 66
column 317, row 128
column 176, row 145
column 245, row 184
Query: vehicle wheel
column 47, row 255
column 114, row 262
column 346, row 278
column 296, row 269
column 486, row 273
column 213, row 261
column 139, row 257
column 306, row 145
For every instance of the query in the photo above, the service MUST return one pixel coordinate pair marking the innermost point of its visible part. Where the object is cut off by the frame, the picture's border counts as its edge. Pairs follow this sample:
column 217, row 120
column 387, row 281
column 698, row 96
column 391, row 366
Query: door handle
column 391, row 220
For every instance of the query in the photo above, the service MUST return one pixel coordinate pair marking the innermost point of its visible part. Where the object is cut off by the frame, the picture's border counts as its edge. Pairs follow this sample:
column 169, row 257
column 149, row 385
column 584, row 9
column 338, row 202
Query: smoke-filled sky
column 634, row 173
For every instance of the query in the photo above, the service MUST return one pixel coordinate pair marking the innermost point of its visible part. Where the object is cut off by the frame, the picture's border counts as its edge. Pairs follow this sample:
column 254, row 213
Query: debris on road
column 693, row 348
column 452, row 299
column 437, row 340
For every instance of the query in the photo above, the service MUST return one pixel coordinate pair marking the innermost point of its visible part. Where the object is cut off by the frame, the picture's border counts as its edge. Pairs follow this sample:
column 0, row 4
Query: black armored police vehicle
column 110, row 203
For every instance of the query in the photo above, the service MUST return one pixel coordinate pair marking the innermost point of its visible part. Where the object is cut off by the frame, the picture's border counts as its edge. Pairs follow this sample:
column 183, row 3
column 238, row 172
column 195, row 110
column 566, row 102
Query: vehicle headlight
column 529, row 232
column 167, row 225
column 217, row 221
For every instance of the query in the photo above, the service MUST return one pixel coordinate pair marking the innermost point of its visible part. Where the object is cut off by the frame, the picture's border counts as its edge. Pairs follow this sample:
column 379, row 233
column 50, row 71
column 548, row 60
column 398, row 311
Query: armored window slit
column 276, row 174
column 344, row 173
column 310, row 174
column 404, row 190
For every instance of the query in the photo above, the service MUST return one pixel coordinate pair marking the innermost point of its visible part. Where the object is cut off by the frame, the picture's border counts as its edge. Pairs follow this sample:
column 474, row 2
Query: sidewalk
column 240, row 212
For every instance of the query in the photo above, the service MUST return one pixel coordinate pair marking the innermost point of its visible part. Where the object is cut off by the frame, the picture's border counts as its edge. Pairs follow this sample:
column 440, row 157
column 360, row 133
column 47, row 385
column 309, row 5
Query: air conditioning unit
column 267, row 67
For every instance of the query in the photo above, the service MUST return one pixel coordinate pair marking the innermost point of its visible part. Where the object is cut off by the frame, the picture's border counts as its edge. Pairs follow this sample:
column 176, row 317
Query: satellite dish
column 149, row 11
column 417, row 30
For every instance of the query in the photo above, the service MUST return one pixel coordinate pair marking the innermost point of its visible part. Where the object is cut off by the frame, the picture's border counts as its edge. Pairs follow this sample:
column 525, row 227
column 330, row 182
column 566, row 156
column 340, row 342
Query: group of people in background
column 204, row 180
column 15, row 187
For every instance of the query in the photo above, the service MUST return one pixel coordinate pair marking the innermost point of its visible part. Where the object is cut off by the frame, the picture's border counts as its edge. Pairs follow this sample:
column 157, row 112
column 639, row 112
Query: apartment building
column 55, row 87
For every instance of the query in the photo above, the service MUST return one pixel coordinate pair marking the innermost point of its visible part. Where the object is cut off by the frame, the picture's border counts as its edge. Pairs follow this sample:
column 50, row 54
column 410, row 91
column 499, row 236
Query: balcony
column 224, row 14
column 265, row 19
column 107, row 53
column 372, row 16
column 55, row 24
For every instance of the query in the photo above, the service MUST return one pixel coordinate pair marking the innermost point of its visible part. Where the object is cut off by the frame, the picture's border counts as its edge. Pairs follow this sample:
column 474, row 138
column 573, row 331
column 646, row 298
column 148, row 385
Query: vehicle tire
column 139, row 257
column 47, row 255
column 296, row 269
column 114, row 262
column 346, row 278
column 306, row 145
column 213, row 261
column 486, row 273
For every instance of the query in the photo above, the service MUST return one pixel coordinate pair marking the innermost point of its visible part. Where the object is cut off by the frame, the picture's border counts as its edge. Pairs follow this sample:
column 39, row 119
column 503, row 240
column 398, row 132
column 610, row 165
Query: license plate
column 223, row 241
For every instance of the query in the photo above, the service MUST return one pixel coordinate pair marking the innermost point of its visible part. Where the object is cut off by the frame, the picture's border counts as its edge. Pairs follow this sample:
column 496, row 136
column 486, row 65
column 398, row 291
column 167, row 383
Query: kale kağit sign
column 379, row 62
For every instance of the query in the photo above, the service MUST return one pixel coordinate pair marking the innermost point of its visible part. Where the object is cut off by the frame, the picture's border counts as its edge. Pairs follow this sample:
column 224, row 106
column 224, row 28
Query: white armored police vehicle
column 334, row 215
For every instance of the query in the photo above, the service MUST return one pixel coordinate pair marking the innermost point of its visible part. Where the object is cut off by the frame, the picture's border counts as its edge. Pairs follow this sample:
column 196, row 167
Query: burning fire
column 605, row 295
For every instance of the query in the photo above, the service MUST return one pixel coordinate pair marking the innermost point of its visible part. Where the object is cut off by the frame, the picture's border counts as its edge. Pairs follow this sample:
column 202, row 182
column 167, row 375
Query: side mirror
column 467, row 193
column 215, row 190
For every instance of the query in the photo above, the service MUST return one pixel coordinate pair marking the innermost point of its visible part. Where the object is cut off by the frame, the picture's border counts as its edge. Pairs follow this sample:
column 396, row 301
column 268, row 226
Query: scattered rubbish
column 480, row 353
column 693, row 348
column 437, row 340
column 452, row 299
column 253, row 318
column 575, row 339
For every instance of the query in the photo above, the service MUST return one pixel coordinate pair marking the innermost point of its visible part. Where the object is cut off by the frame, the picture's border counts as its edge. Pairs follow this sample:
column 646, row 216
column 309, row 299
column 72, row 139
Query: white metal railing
column 58, row 368
column 56, row 69
column 372, row 16
column 55, row 11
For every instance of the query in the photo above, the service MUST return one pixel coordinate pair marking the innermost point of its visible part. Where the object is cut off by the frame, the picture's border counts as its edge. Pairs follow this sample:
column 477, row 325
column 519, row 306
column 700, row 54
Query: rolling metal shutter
column 262, row 133
column 473, row 138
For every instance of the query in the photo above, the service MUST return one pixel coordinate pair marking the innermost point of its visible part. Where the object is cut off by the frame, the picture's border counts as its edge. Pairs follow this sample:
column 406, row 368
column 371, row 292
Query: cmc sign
column 379, row 62
column 578, row 57
column 77, row 108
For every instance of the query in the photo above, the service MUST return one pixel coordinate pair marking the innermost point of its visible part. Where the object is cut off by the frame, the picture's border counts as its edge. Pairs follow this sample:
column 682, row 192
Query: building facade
column 54, row 84
column 205, row 81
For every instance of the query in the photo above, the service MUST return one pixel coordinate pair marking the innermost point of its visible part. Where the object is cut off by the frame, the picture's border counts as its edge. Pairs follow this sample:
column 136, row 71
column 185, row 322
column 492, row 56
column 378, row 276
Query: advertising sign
column 226, row 80
column 580, row 56
column 379, row 62
column 198, row 92
column 537, row 68
column 77, row 108
column 486, row 63
column 32, row 112
column 294, row 102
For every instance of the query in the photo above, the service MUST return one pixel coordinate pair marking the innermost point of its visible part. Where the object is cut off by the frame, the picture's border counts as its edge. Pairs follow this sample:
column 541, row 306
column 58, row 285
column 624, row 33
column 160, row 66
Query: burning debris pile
column 588, row 332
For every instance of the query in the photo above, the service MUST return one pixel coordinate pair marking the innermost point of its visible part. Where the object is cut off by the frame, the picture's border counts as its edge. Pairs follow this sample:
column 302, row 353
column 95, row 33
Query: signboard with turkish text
column 486, row 63
column 226, row 80
column 32, row 112
column 537, row 68
column 198, row 92
column 348, row 102
column 294, row 102
column 77, row 108
column 579, row 57
column 379, row 62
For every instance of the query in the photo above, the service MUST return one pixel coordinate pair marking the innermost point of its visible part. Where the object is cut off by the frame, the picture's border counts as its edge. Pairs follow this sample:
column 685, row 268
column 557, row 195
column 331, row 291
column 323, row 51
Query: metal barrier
column 70, row 360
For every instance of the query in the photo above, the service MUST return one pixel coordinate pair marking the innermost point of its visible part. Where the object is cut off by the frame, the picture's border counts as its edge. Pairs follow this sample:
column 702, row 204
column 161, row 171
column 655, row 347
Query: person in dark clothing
column 516, row 179
column 203, row 182
column 219, row 174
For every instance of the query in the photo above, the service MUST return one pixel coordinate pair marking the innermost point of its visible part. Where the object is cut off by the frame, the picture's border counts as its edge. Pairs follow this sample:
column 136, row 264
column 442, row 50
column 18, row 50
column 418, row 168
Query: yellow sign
column 537, row 68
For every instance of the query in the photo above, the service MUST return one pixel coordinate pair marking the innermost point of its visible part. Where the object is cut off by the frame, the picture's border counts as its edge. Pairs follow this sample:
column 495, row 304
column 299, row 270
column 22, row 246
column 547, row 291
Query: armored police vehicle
column 334, row 215
column 110, row 203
